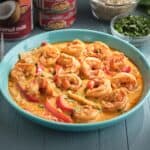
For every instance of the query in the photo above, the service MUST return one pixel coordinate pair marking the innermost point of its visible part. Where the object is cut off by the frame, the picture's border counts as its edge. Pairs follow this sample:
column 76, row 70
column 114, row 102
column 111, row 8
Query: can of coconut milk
column 16, row 18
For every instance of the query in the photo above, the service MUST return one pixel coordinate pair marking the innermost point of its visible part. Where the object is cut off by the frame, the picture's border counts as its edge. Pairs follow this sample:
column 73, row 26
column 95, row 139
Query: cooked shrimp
column 30, row 57
column 126, row 80
column 23, row 71
column 117, row 101
column 39, row 85
column 90, row 68
column 115, row 63
column 68, row 81
column 101, row 88
column 74, row 48
column 45, row 86
column 85, row 113
column 69, row 63
column 49, row 55
column 98, row 49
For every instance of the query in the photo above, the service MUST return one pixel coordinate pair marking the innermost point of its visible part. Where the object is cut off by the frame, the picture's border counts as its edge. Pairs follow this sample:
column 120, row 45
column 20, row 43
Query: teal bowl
column 66, row 35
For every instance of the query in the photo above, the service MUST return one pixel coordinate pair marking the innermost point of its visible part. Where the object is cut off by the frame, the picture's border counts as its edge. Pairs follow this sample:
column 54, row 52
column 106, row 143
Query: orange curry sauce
column 75, row 82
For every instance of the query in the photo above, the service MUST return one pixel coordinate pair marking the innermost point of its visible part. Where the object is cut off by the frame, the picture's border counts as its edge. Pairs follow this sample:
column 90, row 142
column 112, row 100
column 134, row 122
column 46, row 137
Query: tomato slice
column 29, row 97
column 56, row 113
column 62, row 104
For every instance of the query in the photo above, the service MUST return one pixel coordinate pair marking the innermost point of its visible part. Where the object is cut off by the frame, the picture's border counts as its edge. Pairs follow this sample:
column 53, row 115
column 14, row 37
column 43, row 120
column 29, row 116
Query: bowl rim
column 118, row 34
column 70, row 125
column 106, row 4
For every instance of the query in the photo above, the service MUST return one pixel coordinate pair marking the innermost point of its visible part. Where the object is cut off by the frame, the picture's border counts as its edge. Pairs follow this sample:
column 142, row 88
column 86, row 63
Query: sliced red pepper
column 43, row 43
column 65, row 84
column 126, row 69
column 55, row 78
column 29, row 97
column 56, row 113
column 61, row 103
column 39, row 68
column 107, row 71
column 57, row 81
column 58, row 69
column 90, row 84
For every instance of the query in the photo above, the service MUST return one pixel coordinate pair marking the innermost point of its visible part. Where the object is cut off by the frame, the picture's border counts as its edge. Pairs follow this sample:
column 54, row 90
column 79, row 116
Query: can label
column 20, row 23
column 55, row 6
column 57, row 21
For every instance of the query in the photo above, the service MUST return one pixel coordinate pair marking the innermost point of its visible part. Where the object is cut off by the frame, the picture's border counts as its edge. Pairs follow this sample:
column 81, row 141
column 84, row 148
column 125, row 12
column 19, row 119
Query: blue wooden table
column 17, row 133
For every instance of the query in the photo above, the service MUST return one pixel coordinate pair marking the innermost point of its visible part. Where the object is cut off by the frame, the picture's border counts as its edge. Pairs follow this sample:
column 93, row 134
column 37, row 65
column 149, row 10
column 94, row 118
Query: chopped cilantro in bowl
column 132, row 28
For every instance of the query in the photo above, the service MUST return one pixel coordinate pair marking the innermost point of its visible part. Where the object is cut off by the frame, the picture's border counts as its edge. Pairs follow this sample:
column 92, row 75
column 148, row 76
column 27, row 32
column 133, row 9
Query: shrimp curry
column 75, row 82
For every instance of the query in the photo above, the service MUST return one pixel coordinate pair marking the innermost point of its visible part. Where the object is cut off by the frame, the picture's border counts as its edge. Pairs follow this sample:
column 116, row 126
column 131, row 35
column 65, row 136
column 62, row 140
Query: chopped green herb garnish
column 133, row 26
column 40, row 106
column 145, row 2
column 77, row 109
column 148, row 11
column 70, row 100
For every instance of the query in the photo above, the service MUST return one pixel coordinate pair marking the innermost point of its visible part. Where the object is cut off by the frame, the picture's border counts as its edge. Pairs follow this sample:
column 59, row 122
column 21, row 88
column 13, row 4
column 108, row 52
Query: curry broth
column 39, row 109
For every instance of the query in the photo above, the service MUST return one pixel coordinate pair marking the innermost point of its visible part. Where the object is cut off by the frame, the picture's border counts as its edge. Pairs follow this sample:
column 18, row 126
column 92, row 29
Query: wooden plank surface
column 17, row 133
column 138, row 129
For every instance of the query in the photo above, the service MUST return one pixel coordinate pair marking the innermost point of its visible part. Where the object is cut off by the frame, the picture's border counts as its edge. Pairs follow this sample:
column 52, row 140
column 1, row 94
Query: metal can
column 55, row 6
column 50, row 21
column 17, row 21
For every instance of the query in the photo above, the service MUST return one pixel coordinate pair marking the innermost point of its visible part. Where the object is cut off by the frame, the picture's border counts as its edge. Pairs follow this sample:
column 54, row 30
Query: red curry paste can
column 49, row 21
column 55, row 6
column 17, row 21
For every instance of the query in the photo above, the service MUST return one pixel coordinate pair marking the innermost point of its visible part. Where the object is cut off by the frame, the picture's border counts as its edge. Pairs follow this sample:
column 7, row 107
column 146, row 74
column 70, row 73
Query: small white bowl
column 105, row 10
column 137, row 41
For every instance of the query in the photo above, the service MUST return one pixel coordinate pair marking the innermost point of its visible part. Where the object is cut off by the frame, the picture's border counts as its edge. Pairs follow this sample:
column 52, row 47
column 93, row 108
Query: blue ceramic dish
column 66, row 35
